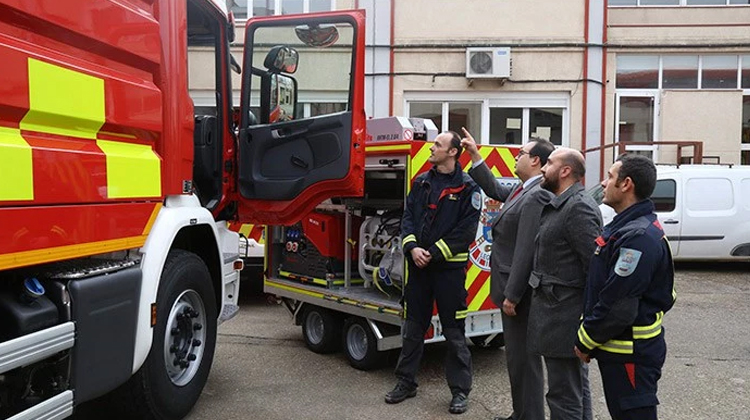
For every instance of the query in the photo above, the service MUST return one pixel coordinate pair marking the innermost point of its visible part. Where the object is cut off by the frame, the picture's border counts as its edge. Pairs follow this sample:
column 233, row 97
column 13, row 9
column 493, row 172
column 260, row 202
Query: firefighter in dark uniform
column 439, row 223
column 630, row 287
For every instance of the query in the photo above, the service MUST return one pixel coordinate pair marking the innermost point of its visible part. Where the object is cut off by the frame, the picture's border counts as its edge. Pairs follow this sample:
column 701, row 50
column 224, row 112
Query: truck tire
column 175, row 372
column 321, row 329
column 360, row 344
column 481, row 341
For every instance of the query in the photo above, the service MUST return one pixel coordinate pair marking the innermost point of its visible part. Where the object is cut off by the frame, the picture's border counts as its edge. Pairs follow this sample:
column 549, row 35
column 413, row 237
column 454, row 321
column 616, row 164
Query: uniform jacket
column 630, row 287
column 570, row 224
column 513, row 233
column 446, row 228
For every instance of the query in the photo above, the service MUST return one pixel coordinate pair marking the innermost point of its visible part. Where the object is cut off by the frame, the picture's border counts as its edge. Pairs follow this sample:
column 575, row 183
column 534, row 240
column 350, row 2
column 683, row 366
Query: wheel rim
column 184, row 338
column 356, row 341
column 314, row 327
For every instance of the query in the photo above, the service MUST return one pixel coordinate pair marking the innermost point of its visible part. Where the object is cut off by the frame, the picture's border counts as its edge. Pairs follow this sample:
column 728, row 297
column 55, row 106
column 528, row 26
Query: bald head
column 565, row 167
column 575, row 160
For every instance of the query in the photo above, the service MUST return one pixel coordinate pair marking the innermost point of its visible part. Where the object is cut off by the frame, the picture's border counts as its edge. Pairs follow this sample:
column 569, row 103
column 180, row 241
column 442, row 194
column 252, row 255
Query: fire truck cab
column 116, row 263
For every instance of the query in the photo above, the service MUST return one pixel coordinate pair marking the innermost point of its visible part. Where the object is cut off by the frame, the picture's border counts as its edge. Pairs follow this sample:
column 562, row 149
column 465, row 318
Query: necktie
column 516, row 192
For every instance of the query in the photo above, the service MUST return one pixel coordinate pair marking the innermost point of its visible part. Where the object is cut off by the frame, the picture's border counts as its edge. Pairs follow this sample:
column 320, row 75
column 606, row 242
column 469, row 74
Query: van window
column 664, row 195
column 745, row 193
column 706, row 194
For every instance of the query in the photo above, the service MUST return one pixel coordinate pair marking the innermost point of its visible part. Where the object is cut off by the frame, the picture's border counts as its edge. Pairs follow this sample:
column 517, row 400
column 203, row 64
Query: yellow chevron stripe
column 16, row 166
column 481, row 296
column 419, row 159
column 508, row 158
column 63, row 101
column 246, row 228
column 471, row 276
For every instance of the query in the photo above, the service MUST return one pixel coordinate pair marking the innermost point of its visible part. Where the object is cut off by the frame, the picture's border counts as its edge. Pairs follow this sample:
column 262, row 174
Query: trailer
column 340, row 270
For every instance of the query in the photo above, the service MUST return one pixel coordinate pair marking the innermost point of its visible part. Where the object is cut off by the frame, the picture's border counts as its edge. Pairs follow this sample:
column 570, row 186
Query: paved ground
column 263, row 370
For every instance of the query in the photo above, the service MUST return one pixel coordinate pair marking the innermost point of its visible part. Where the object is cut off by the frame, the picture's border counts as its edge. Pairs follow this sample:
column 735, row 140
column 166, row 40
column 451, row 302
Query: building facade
column 581, row 73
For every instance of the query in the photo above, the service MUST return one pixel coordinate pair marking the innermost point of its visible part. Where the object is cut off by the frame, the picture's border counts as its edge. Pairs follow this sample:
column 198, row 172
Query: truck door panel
column 280, row 160
column 293, row 156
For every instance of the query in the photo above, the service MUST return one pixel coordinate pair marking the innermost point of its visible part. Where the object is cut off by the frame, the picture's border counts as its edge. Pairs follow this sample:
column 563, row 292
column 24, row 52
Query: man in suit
column 513, row 233
column 569, row 226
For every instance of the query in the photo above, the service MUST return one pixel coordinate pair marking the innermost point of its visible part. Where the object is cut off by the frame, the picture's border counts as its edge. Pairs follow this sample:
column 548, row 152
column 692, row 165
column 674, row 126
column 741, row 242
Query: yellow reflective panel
column 133, row 170
column 63, row 101
column 16, row 168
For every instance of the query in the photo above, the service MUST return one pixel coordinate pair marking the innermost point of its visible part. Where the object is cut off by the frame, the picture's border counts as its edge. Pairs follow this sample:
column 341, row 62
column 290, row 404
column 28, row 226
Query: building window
column 682, row 72
column 679, row 72
column 244, row 9
column 429, row 111
column 719, row 72
column 450, row 115
column 637, row 71
column 510, row 118
column 506, row 125
column 464, row 114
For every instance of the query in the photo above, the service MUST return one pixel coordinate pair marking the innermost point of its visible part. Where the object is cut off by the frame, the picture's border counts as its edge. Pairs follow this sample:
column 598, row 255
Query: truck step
column 229, row 312
column 57, row 407
column 36, row 346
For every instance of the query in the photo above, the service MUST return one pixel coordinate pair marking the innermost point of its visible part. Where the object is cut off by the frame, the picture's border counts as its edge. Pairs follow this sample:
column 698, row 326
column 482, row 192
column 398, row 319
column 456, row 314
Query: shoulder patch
column 627, row 262
column 476, row 200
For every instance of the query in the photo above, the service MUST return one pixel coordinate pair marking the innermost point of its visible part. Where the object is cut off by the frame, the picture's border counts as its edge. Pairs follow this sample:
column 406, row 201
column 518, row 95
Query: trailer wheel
column 360, row 344
column 175, row 372
column 495, row 343
column 321, row 329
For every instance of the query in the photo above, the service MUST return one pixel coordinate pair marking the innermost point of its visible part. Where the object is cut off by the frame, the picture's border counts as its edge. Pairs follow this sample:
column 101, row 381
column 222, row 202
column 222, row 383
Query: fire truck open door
column 292, row 156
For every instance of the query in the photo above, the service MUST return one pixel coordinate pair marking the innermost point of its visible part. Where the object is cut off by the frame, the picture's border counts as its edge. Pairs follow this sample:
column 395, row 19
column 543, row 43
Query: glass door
column 636, row 113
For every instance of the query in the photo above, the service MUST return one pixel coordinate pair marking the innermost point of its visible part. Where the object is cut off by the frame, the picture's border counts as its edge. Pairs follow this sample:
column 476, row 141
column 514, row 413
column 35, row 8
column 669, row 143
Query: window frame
column 278, row 8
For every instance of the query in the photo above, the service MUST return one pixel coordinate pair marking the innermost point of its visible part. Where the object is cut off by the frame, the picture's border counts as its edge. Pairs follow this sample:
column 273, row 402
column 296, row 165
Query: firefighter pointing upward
column 439, row 223
column 629, row 288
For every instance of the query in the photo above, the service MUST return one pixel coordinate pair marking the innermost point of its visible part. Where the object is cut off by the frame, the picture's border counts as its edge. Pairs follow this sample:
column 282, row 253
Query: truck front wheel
column 172, row 378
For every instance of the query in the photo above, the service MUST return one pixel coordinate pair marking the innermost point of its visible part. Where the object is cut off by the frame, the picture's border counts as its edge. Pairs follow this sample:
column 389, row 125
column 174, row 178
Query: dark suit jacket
column 513, row 234
column 570, row 224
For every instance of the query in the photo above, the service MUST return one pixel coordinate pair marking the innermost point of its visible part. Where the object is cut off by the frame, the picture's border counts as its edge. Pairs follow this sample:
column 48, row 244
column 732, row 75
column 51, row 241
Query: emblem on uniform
column 627, row 262
column 453, row 197
column 479, row 251
column 476, row 200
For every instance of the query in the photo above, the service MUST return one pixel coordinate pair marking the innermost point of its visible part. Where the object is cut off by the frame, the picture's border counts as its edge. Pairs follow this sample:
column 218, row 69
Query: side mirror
column 279, row 98
column 281, row 59
column 317, row 35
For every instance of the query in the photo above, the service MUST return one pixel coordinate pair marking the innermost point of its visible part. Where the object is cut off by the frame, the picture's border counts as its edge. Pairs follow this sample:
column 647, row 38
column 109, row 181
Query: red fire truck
column 340, row 270
column 116, row 264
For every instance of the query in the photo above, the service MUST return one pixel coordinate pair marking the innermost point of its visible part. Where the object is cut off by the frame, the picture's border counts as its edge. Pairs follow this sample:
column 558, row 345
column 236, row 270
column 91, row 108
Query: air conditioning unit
column 488, row 63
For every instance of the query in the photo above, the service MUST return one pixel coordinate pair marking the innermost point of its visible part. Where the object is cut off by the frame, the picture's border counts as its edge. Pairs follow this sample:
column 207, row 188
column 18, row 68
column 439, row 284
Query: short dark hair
column 455, row 143
column 542, row 149
column 641, row 170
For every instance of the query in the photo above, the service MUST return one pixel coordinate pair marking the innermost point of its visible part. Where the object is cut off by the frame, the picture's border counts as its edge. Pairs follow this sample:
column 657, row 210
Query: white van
column 704, row 210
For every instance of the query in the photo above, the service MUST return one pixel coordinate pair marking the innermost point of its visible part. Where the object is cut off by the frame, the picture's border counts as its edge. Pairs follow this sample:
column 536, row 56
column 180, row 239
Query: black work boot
column 459, row 403
column 401, row 392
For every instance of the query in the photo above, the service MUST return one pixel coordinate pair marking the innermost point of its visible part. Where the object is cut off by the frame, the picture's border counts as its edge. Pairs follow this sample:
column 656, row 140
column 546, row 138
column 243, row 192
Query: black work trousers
column 446, row 287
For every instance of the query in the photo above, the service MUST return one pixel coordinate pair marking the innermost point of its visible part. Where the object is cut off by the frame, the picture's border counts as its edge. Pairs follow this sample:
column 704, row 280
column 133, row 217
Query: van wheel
column 360, row 344
column 495, row 342
column 321, row 329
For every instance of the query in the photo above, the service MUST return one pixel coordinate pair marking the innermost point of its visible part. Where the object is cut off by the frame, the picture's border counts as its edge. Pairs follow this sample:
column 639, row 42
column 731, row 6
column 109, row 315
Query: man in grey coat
column 513, row 233
column 569, row 226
